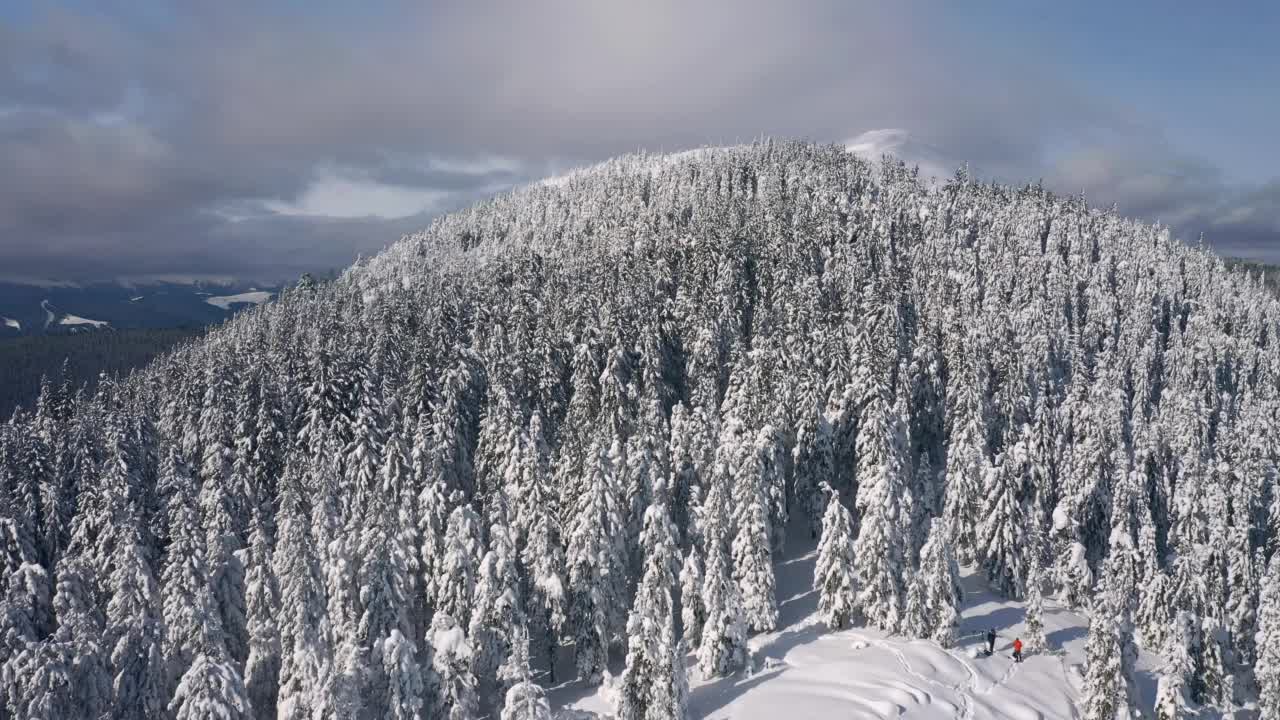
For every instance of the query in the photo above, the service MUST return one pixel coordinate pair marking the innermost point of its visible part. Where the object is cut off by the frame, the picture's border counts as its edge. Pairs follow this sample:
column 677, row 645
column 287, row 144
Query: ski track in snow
column 971, row 682
column 965, row 710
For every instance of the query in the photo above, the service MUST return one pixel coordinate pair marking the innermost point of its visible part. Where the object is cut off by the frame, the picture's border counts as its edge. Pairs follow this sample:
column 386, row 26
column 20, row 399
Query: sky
column 265, row 139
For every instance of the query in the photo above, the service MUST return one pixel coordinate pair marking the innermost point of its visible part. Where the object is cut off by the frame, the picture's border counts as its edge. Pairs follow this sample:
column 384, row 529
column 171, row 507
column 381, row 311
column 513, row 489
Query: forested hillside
column 1269, row 272
column 584, row 415
column 76, row 360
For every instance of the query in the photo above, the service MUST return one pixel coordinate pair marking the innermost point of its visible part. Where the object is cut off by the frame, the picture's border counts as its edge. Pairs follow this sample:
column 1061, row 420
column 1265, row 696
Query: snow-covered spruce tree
column 209, row 682
column 1110, row 653
column 692, row 453
column 592, row 550
column 501, row 443
column 1267, row 670
column 135, row 629
column 525, row 700
column 927, row 427
column 79, row 632
column 655, row 685
column 923, row 486
column 1154, row 614
column 450, row 658
column 647, row 463
column 752, row 545
column 1078, row 540
column 1177, row 674
column 305, row 640
column 1215, row 683
column 813, row 461
column 211, row 688
column 453, row 429
column 834, row 577
column 498, row 611
column 94, row 531
column 1241, row 613
column 1003, row 537
column 385, row 576
column 262, row 608
column 26, row 609
column 967, row 463
column 406, row 692
column 879, row 551
column 693, row 609
column 543, row 553
column 456, row 581
column 1072, row 575
column 1035, row 639
column 187, row 601
column 218, row 506
column 39, row 682
column 432, row 508
column 723, row 647
column 933, row 602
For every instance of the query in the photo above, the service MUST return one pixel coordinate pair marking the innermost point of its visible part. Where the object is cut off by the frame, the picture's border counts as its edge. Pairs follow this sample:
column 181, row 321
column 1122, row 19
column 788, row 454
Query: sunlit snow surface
column 804, row 671
column 77, row 320
column 226, row 301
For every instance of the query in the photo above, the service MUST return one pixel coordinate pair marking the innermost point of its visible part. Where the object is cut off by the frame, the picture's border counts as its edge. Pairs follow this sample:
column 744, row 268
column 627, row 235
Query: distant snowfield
column 77, row 320
column 805, row 671
column 225, row 302
column 9, row 322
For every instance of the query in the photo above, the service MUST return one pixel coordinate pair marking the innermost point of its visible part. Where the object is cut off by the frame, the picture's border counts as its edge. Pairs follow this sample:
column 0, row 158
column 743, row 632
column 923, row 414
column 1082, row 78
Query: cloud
column 872, row 145
column 334, row 195
column 1153, row 180
column 245, row 137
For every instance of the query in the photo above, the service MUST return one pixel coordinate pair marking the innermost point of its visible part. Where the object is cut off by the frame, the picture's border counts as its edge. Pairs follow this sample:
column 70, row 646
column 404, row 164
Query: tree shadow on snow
column 719, row 693
column 1059, row 638
column 1000, row 618
column 796, row 608
column 571, row 691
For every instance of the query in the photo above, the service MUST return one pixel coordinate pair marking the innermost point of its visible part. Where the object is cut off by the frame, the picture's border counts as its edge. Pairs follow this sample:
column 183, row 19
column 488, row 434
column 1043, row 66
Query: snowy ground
column 805, row 671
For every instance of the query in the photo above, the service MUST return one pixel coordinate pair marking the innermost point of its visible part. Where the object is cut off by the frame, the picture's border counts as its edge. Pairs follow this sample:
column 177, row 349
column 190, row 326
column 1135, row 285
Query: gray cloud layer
column 144, row 142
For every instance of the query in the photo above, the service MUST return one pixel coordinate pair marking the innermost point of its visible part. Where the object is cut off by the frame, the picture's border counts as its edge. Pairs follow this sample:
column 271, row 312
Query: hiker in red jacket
column 1017, row 650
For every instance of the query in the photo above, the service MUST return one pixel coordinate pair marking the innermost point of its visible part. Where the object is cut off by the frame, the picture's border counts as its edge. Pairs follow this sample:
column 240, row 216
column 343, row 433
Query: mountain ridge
column 568, row 432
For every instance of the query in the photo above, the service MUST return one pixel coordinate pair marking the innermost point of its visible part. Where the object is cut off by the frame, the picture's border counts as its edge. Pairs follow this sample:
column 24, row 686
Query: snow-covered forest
column 566, row 433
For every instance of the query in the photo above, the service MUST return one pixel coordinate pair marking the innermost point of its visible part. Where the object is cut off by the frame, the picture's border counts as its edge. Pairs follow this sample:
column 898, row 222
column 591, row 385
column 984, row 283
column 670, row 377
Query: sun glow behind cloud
column 335, row 195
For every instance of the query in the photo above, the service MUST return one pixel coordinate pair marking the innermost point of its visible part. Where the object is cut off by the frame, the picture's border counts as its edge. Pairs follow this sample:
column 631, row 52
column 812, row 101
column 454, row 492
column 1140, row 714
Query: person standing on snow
column 1017, row 649
column 991, row 641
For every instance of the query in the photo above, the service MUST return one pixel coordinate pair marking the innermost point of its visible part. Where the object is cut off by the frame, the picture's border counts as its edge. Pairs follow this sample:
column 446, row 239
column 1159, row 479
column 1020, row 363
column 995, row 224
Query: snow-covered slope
column 483, row 453
column 804, row 670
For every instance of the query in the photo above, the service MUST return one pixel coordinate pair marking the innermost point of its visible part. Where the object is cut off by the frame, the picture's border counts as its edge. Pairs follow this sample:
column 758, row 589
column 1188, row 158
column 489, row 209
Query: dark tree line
column 77, row 359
